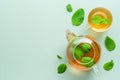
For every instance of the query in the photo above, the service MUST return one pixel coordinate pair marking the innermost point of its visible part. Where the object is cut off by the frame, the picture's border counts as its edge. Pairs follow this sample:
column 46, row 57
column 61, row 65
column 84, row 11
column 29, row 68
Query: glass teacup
column 103, row 13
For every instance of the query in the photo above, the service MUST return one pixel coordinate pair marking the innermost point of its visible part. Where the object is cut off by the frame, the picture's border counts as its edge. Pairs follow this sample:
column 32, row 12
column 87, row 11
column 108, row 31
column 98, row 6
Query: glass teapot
column 83, row 52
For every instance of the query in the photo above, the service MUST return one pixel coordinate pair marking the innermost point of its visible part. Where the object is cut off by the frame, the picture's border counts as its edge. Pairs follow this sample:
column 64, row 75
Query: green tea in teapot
column 83, row 52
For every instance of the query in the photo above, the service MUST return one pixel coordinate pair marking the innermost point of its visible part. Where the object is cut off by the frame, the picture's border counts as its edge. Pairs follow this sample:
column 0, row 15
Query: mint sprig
column 108, row 65
column 78, row 53
column 82, row 49
column 78, row 17
column 99, row 20
column 87, row 61
column 86, row 47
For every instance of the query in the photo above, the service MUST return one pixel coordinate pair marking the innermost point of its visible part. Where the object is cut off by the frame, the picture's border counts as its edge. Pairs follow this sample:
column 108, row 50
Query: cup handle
column 87, row 27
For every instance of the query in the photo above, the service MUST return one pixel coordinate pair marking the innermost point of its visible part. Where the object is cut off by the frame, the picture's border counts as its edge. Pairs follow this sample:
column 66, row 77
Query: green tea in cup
column 100, row 19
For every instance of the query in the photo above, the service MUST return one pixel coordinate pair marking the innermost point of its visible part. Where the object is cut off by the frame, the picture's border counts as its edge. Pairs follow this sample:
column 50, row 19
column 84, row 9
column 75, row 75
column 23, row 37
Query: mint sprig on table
column 61, row 68
column 109, row 43
column 110, row 46
column 99, row 20
column 108, row 65
column 78, row 17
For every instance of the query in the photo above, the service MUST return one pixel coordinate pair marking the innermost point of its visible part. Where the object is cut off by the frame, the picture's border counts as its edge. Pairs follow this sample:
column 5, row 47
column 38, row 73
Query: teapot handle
column 70, row 35
column 97, row 72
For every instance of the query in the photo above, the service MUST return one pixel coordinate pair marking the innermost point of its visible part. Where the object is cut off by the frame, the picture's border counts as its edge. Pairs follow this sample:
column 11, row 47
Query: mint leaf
column 99, row 20
column 59, row 57
column 105, row 21
column 86, row 47
column 96, row 20
column 69, row 8
column 87, row 61
column 78, row 17
column 109, row 65
column 61, row 68
column 78, row 53
column 109, row 44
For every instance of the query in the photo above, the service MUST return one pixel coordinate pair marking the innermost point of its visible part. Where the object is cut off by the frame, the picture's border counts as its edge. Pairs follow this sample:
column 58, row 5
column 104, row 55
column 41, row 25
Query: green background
column 32, row 33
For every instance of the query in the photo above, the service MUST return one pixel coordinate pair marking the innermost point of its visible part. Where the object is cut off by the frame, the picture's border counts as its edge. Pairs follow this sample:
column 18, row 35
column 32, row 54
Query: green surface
column 32, row 32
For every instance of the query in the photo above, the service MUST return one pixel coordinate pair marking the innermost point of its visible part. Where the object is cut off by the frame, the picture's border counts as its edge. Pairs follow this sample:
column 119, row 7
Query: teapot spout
column 70, row 35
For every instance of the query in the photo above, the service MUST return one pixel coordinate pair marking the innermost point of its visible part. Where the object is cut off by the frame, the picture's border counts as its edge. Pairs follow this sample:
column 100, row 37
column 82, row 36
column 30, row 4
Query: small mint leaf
column 61, row 68
column 59, row 57
column 108, row 65
column 69, row 8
